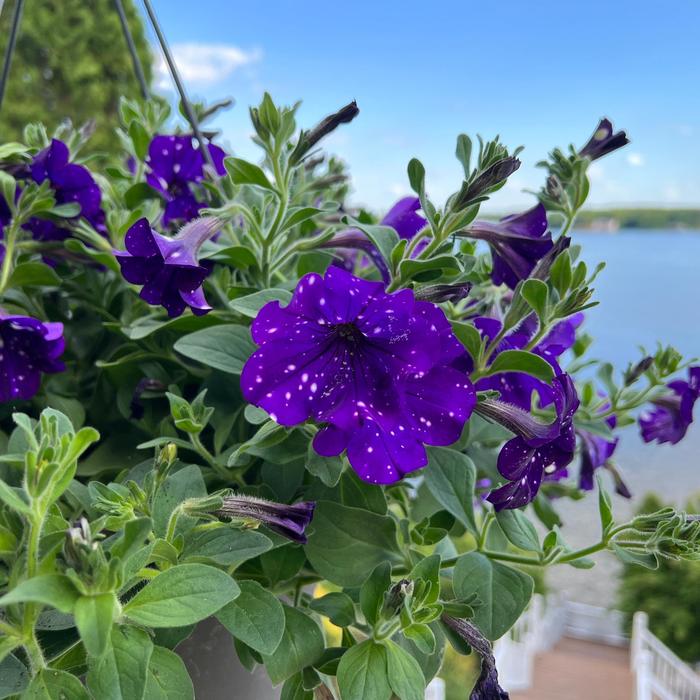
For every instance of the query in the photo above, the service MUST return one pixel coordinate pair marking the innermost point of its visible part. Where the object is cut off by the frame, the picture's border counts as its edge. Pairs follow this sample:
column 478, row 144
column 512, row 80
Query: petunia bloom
column 673, row 413
column 517, row 243
column 175, row 164
column 289, row 521
column 70, row 183
column 28, row 348
column 603, row 141
column 167, row 267
column 373, row 367
column 538, row 450
column 595, row 452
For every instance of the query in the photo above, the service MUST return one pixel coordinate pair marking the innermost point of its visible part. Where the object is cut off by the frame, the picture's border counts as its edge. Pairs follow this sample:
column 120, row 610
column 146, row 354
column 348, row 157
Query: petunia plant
column 348, row 437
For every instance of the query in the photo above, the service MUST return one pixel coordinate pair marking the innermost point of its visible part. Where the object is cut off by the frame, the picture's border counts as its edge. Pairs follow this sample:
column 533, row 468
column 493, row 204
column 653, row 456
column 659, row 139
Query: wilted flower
column 493, row 176
column 289, row 521
column 438, row 293
column 486, row 686
column 174, row 165
column 538, row 450
column 603, row 141
column 70, row 183
column 167, row 267
column 374, row 367
column 517, row 243
column 673, row 413
column 28, row 347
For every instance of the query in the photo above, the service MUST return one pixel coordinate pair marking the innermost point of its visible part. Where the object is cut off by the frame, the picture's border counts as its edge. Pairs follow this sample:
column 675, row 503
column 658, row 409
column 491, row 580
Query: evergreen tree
column 70, row 61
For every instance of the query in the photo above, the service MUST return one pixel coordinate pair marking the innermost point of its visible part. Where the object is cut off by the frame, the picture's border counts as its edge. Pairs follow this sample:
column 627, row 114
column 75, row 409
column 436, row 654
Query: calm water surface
column 648, row 292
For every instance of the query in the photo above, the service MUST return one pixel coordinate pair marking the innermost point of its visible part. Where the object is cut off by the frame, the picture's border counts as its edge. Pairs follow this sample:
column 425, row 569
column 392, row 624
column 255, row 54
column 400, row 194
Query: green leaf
column 648, row 560
column 93, row 618
column 422, row 636
column 183, row 484
column 225, row 347
column 251, row 304
column 298, row 215
column 404, row 673
column 503, row 592
column 518, row 529
column 55, row 590
column 293, row 689
column 383, row 237
column 34, row 274
column 372, row 592
column 11, row 148
column 225, row 545
column 327, row 469
column 14, row 676
column 256, row 617
column 428, row 269
column 535, row 293
column 244, row 173
column 464, row 153
column 55, row 685
column 302, row 643
column 416, row 176
column 180, row 596
column 560, row 273
column 469, row 336
column 11, row 498
column 347, row 542
column 362, row 673
column 450, row 478
column 167, row 677
column 137, row 194
column 522, row 361
column 236, row 256
column 139, row 138
column 121, row 673
column 336, row 606
column 604, row 506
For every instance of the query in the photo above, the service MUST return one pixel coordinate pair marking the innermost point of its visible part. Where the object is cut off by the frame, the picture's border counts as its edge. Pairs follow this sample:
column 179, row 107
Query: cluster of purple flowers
column 175, row 165
column 668, row 421
column 28, row 347
column 374, row 368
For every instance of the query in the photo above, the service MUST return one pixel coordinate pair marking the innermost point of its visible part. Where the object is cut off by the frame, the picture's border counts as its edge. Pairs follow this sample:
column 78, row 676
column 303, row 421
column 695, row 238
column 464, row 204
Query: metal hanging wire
column 190, row 113
column 10, row 48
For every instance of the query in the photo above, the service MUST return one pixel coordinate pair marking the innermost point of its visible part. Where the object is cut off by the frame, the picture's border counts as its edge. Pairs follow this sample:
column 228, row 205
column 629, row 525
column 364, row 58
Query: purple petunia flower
column 70, row 183
column 28, row 347
column 538, row 450
column 673, row 413
column 374, row 367
column 517, row 243
column 403, row 217
column 595, row 452
column 603, row 141
column 174, row 165
column 168, row 268
column 288, row 521
column 516, row 387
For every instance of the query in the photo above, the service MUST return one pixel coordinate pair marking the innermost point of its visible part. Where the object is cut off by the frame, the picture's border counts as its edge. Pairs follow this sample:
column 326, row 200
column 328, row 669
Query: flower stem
column 7, row 263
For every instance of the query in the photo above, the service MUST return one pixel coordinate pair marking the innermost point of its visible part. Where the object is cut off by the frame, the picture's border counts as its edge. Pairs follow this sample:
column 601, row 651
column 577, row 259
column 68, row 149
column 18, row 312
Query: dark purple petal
column 404, row 219
column 28, row 348
column 603, row 141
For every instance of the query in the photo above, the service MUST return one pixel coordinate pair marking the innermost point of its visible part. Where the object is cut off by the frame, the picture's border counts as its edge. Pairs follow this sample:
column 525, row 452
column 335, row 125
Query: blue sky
column 537, row 73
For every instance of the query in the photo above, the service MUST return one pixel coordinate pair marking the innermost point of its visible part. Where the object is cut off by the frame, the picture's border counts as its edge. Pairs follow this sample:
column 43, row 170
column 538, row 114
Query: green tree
column 71, row 61
column 670, row 596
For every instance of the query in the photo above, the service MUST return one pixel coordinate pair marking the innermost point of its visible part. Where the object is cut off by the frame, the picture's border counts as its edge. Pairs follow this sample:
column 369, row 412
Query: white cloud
column 635, row 159
column 204, row 64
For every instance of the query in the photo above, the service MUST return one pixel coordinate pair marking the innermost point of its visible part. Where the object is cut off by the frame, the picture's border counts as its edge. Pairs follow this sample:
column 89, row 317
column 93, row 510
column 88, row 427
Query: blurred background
column 539, row 74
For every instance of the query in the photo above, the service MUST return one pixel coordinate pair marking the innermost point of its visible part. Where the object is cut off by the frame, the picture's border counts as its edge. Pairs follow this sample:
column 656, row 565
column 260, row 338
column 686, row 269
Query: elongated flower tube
column 487, row 686
column 517, row 243
column 288, row 521
column 603, row 141
column 174, row 166
column 535, row 453
column 374, row 369
column 28, row 348
column 168, row 268
column 672, row 414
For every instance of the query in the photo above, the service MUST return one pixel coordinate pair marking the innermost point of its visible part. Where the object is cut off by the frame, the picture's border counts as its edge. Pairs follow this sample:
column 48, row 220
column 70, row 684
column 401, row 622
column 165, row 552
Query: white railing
column 594, row 624
column 659, row 673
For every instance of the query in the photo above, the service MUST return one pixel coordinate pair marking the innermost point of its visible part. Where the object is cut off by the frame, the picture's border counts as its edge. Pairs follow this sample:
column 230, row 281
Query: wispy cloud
column 202, row 65
column 635, row 159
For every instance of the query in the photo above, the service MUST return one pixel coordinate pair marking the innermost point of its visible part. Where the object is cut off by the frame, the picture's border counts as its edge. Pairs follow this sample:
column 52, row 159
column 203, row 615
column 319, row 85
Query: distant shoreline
column 616, row 219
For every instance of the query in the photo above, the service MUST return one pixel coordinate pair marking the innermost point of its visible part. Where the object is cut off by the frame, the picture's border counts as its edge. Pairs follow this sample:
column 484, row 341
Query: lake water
column 648, row 292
